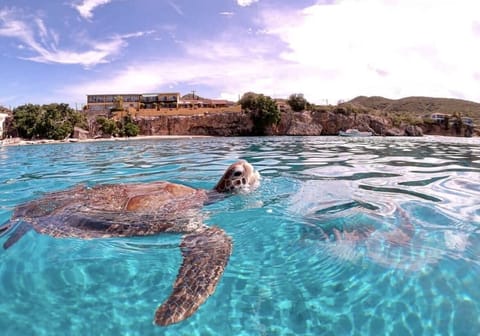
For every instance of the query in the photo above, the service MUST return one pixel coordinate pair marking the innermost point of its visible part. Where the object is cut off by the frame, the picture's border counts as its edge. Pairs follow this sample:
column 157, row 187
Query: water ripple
column 344, row 236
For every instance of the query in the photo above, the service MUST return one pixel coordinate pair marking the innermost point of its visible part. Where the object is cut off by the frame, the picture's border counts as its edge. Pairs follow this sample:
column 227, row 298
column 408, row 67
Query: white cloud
column 136, row 34
column 41, row 28
column 176, row 8
column 225, row 65
column 44, row 42
column 228, row 14
column 86, row 7
column 246, row 3
column 375, row 47
column 100, row 53
column 328, row 52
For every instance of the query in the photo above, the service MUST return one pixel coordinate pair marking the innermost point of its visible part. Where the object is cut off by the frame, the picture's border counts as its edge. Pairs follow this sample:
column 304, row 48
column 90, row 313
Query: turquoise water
column 367, row 236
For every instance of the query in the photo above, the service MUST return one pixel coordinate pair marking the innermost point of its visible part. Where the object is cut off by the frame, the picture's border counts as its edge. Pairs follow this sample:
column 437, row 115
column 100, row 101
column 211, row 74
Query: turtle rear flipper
column 205, row 256
column 18, row 233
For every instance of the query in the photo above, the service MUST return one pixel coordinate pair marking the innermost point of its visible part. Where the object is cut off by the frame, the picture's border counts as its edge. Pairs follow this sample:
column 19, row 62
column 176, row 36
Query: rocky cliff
column 306, row 123
column 320, row 122
column 219, row 124
column 328, row 123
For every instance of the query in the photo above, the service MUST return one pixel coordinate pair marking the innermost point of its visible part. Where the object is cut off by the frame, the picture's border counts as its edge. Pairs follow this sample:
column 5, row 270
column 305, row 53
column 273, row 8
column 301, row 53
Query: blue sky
column 60, row 51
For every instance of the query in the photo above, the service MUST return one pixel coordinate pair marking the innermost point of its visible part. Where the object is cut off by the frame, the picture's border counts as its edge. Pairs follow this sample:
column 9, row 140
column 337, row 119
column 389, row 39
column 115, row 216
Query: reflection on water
column 344, row 236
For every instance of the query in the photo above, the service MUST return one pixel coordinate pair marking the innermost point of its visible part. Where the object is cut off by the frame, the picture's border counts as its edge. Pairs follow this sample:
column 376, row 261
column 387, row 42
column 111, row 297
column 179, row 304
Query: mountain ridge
column 421, row 106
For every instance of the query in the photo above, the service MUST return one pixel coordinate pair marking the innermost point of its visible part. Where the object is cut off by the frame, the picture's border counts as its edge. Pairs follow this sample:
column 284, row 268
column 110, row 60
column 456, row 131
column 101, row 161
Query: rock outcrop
column 219, row 124
column 328, row 123
column 453, row 130
column 412, row 130
column 300, row 123
column 306, row 123
column 395, row 131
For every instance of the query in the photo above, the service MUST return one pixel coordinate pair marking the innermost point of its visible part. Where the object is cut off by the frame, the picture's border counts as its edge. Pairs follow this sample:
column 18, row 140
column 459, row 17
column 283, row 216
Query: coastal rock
column 219, row 124
column 334, row 122
column 395, row 131
column 296, row 123
column 379, row 125
column 440, row 129
column 328, row 121
column 80, row 133
column 306, row 123
column 323, row 122
column 412, row 130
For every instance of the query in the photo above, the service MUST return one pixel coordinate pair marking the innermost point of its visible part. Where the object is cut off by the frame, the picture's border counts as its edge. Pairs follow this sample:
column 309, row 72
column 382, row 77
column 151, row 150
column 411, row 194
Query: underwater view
column 343, row 236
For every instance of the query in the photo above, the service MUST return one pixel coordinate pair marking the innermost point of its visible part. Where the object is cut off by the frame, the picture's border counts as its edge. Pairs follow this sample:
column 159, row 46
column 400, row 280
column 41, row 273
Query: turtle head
column 239, row 177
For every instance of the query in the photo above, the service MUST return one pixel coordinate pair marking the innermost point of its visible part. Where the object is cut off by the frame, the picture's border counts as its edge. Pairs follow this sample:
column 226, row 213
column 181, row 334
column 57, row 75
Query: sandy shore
column 22, row 142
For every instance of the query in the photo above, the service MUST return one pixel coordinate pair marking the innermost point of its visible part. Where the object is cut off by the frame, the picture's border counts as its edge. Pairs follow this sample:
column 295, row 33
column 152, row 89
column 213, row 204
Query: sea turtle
column 123, row 210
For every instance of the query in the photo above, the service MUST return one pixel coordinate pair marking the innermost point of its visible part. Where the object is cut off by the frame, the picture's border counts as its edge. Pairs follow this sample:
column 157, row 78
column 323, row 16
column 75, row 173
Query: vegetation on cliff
column 262, row 116
column 125, row 127
column 298, row 102
column 262, row 110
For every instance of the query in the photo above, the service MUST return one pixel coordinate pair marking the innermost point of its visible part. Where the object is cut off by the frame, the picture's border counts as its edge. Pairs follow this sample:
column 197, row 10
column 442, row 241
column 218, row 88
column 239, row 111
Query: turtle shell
column 115, row 210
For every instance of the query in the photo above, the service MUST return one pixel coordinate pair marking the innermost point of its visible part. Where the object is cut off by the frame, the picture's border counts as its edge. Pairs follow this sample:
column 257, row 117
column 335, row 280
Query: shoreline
column 23, row 142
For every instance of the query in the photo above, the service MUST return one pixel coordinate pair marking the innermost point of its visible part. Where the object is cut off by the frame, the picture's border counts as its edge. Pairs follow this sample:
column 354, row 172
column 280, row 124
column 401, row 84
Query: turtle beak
column 252, row 177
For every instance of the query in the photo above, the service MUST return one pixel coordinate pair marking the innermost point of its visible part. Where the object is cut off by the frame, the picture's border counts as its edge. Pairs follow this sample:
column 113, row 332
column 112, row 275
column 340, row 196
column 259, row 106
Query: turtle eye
column 237, row 173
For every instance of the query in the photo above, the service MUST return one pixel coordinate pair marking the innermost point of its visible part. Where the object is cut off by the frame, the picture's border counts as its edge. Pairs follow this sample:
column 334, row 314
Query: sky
column 329, row 50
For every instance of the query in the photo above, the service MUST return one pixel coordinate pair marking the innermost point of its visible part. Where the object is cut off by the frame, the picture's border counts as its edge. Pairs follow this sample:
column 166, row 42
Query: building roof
column 134, row 94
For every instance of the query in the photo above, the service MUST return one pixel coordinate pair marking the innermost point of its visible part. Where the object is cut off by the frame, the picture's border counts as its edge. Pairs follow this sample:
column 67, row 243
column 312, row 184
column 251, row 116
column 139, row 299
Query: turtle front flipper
column 205, row 256
column 5, row 227
column 18, row 233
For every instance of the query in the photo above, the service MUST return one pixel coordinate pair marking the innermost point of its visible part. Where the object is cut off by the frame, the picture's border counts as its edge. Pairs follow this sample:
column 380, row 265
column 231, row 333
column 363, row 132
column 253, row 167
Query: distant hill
column 420, row 106
column 191, row 96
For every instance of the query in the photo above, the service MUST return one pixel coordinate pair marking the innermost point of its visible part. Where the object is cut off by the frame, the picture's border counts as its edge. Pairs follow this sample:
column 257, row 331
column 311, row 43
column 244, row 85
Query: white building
column 3, row 116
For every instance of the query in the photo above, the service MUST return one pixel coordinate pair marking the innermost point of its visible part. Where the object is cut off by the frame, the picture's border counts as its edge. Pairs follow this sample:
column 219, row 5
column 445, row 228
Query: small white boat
column 352, row 132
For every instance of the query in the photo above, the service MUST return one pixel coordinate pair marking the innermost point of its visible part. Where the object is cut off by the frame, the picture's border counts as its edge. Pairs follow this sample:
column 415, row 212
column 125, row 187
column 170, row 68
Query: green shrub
column 262, row 109
column 48, row 121
column 108, row 126
column 298, row 102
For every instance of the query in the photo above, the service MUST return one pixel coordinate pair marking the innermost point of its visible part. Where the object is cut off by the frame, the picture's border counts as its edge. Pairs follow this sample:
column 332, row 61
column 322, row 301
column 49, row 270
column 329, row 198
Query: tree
column 298, row 102
column 26, row 119
column 248, row 100
column 107, row 126
column 50, row 121
column 262, row 109
column 129, row 128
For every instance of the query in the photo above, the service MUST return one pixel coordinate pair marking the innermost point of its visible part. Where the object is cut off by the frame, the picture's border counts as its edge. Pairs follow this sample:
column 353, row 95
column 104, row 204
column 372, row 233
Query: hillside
column 420, row 106
column 191, row 96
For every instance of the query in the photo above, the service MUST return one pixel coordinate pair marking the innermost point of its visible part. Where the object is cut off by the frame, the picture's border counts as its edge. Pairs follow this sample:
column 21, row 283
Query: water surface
column 366, row 236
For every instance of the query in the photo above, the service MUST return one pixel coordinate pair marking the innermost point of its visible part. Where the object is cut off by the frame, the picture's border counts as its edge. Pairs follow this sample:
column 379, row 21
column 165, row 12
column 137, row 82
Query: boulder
column 80, row 133
column 412, row 130
column 394, row 131
column 296, row 123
